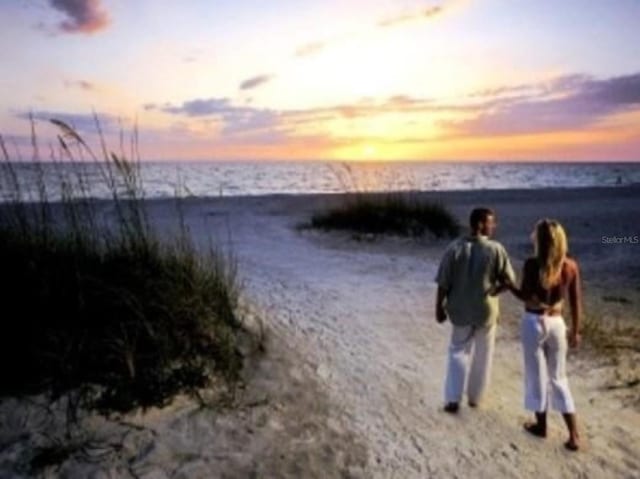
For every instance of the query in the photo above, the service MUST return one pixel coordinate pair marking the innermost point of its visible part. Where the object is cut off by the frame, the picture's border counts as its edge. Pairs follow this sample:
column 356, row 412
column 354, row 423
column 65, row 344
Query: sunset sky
column 331, row 79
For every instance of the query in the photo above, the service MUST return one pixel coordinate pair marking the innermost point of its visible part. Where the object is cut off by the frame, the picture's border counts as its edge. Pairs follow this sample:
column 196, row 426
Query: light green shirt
column 471, row 268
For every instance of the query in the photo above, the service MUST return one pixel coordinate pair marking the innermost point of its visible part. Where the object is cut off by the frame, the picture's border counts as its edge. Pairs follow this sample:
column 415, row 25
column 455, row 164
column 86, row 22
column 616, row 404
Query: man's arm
column 443, row 279
column 516, row 291
column 505, row 284
column 505, row 277
column 441, row 298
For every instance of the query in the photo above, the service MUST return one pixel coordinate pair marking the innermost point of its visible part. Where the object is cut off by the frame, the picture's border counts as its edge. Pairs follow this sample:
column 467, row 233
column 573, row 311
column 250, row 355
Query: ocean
column 216, row 178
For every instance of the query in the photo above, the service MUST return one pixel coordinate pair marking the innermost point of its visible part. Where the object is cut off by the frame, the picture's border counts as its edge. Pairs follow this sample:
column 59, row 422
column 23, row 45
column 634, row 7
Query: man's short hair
column 479, row 215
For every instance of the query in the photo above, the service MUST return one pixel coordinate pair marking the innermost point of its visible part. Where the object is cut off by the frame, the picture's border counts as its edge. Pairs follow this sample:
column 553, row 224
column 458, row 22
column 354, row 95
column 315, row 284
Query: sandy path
column 364, row 320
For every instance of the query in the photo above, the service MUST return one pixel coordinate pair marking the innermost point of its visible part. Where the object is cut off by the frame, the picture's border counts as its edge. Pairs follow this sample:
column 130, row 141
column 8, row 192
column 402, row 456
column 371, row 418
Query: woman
column 548, row 279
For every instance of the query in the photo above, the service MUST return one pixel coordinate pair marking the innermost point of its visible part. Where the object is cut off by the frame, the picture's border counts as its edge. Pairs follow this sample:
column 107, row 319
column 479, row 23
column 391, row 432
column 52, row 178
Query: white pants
column 475, row 342
column 544, row 344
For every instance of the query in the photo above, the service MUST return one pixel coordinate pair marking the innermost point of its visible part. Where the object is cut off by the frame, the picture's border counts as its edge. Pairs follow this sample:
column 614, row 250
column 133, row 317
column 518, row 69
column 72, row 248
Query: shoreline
column 609, row 190
column 632, row 188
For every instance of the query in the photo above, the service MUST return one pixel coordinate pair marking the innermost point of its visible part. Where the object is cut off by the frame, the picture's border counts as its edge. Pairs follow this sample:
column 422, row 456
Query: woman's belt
column 543, row 311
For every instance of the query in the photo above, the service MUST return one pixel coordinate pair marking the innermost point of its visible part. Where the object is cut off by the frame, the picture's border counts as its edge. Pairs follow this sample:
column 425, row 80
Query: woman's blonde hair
column 550, row 243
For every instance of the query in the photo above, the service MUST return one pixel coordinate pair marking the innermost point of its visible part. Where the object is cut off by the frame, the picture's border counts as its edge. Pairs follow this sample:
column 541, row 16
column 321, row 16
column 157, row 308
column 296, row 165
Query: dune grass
column 102, row 306
column 401, row 214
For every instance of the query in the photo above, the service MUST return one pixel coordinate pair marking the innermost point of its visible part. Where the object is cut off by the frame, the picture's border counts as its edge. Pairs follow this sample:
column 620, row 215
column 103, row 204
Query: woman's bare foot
column 573, row 444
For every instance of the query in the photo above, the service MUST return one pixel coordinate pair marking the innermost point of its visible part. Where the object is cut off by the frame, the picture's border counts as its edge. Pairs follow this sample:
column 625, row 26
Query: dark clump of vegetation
column 106, row 309
column 397, row 214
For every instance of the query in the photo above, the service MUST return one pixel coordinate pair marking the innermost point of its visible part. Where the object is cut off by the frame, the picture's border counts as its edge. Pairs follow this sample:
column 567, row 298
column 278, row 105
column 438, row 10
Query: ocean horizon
column 164, row 179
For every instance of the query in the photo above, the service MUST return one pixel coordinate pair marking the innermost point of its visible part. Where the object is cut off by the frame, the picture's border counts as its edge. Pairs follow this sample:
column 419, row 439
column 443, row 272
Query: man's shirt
column 471, row 268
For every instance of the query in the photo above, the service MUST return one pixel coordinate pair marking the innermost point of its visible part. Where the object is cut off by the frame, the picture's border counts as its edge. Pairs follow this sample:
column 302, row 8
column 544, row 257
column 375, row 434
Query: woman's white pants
column 544, row 344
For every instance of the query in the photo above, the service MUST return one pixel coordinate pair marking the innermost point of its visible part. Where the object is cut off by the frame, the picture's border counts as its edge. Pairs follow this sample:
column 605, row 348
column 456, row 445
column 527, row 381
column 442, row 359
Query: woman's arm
column 517, row 292
column 525, row 291
column 575, row 302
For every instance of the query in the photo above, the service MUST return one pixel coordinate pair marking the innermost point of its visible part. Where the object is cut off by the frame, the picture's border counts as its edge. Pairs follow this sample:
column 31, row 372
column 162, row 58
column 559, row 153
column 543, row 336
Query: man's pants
column 475, row 343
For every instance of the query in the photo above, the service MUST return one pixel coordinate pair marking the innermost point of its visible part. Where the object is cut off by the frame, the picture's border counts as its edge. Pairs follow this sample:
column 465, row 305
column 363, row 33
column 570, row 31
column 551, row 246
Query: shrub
column 106, row 308
column 398, row 214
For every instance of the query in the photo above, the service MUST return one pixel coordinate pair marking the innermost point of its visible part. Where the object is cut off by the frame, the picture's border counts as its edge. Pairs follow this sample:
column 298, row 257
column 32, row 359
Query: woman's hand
column 574, row 339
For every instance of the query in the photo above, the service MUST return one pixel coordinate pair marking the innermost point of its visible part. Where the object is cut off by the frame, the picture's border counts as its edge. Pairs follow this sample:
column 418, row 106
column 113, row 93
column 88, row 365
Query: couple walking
column 473, row 272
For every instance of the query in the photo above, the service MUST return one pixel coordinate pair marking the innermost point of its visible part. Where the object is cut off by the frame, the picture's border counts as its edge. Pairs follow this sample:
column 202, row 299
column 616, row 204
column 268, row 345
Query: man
column 472, row 272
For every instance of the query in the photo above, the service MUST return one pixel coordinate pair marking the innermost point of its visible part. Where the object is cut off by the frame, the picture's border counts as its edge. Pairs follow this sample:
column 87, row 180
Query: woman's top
column 549, row 300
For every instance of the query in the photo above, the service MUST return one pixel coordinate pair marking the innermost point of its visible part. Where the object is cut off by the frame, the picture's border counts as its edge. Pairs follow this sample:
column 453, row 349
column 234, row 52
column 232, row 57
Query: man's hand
column 497, row 289
column 441, row 314
column 503, row 285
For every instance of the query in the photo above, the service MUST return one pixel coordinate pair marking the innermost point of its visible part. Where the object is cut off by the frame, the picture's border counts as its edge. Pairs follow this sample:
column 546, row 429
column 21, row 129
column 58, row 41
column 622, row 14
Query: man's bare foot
column 451, row 407
column 535, row 429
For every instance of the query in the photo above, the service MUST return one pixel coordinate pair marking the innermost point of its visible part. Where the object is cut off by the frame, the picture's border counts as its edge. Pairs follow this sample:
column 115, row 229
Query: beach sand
column 351, row 383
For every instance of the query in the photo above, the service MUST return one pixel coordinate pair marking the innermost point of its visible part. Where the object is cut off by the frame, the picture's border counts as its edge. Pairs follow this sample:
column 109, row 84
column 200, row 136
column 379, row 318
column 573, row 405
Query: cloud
column 410, row 17
column 403, row 104
column 315, row 47
column 310, row 48
column 252, row 121
column 235, row 120
column 617, row 91
column 197, row 107
column 254, row 82
column 82, row 123
column 503, row 91
column 566, row 103
column 239, row 118
column 235, row 124
column 83, row 16
column 82, row 84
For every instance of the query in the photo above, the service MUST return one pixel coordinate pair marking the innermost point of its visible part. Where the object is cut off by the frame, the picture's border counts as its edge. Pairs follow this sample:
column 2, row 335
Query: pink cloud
column 426, row 13
column 83, row 16
column 255, row 82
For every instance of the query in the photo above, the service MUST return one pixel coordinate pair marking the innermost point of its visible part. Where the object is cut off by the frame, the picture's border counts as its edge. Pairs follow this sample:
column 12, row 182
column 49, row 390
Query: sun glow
column 369, row 151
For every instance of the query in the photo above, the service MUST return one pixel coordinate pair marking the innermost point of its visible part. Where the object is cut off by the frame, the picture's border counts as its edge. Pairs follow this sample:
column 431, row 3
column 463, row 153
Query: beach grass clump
column 106, row 309
column 389, row 213
column 605, row 334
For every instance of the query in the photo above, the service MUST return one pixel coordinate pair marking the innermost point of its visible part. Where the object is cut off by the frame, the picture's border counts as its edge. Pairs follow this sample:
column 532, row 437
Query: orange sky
column 348, row 80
